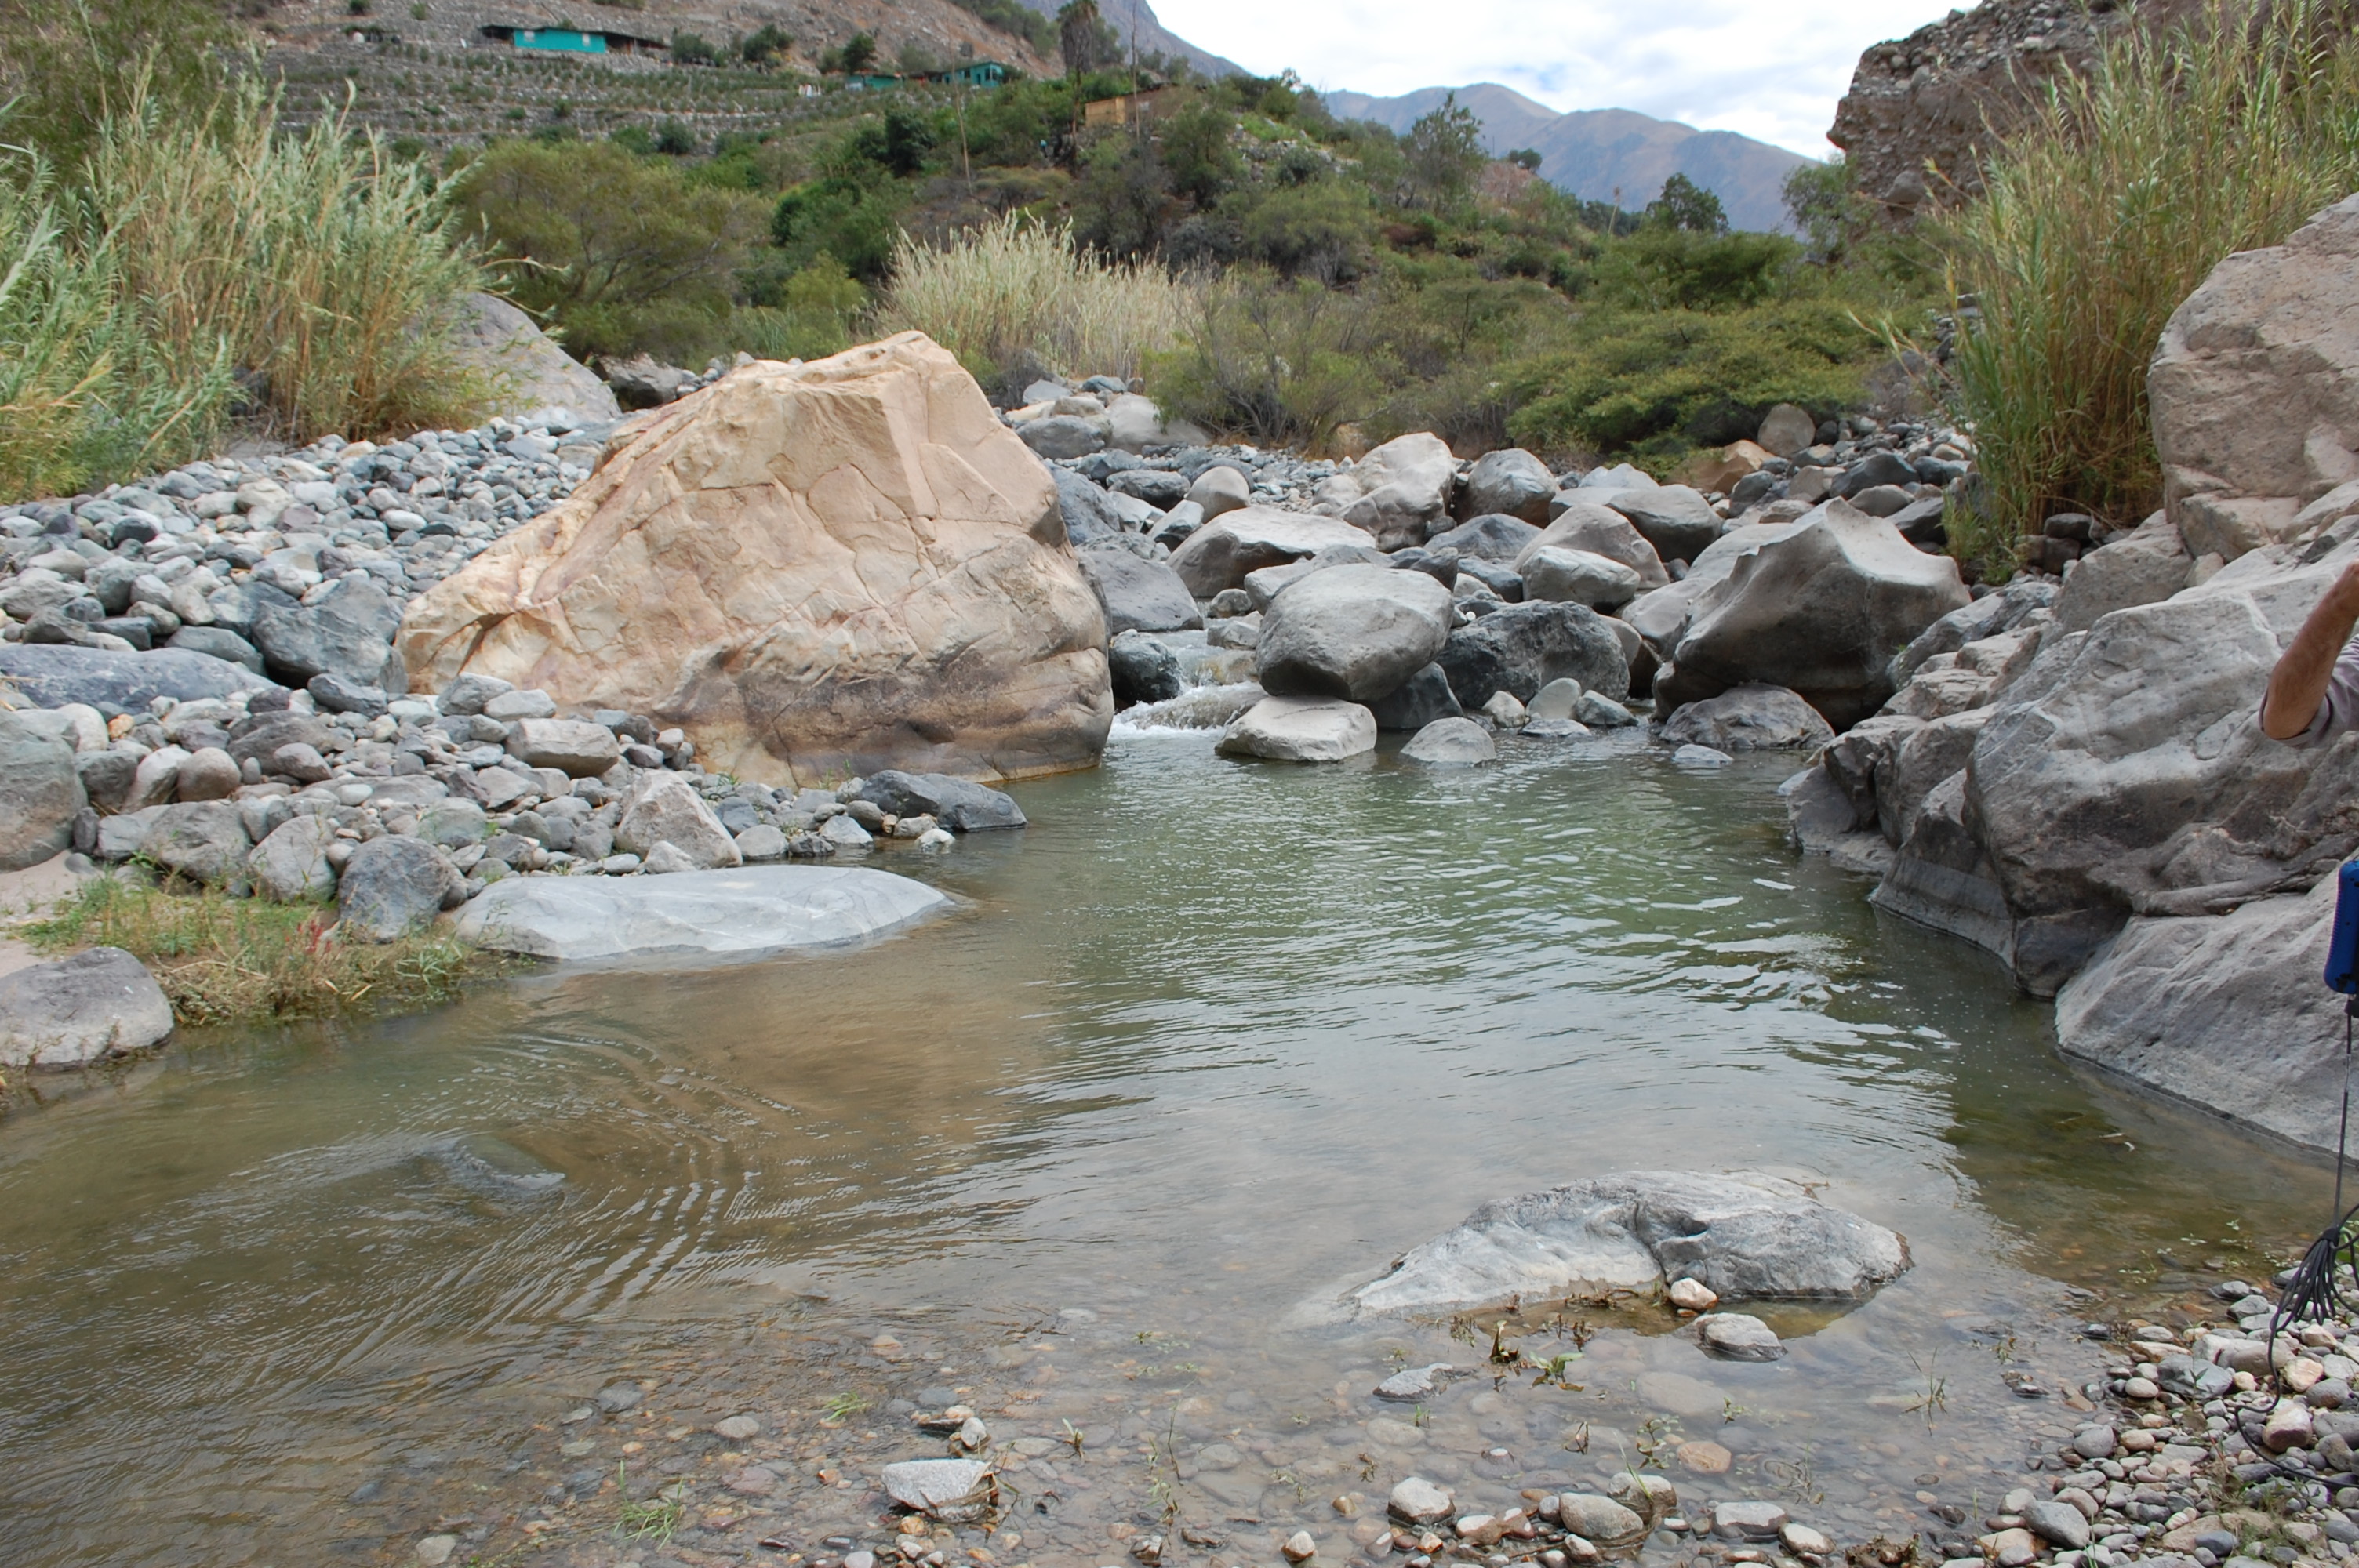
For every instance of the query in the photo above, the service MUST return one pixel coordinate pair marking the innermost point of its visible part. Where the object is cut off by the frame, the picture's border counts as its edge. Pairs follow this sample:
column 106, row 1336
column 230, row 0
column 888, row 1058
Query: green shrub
column 1657, row 383
column 626, row 253
column 1282, row 361
column 812, row 314
column 2103, row 214
column 65, row 65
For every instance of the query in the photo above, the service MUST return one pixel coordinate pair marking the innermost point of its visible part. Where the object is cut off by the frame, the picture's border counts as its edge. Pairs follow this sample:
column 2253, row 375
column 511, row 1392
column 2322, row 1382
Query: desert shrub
column 810, row 315
column 2101, row 214
column 626, row 253
column 66, row 65
column 1449, row 331
column 1282, row 361
column 1655, row 384
column 328, row 266
column 1012, row 17
column 1013, row 291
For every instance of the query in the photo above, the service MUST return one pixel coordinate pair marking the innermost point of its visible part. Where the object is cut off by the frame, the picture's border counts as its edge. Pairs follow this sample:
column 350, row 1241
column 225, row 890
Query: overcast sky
column 1771, row 71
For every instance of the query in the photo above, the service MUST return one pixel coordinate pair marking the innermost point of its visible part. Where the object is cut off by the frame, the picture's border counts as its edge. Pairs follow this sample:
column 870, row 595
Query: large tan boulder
column 815, row 570
column 2254, row 391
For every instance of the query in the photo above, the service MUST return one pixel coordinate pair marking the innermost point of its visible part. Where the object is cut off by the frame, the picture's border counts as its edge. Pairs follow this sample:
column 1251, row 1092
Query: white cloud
column 1774, row 72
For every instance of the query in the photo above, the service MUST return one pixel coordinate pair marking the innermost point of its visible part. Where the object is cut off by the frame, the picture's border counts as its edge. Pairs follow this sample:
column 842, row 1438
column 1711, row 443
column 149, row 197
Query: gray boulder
column 1600, row 531
column 957, row 1491
column 1749, row 718
column 1417, row 702
column 573, row 746
column 290, row 866
column 54, row 674
column 348, row 633
column 1556, row 576
column 1513, row 483
column 1225, row 549
column 261, row 736
column 1744, row 1236
column 2223, row 1011
column 1787, row 429
column 1351, row 631
column 1937, row 750
column 1522, row 647
column 1674, row 518
column 958, row 804
column 1452, row 743
column 525, row 371
column 1490, row 537
column 1663, row 615
column 1219, row 491
column 745, row 911
column 217, row 643
column 466, row 695
column 1404, row 488
column 394, row 885
column 205, row 842
column 664, row 808
column 1820, row 608
column 1301, row 729
column 99, row 1004
column 1089, row 511
column 2016, row 605
column 40, row 791
column 1062, row 435
column 1139, row 595
column 2150, row 563
column 1143, row 669
column 2254, row 388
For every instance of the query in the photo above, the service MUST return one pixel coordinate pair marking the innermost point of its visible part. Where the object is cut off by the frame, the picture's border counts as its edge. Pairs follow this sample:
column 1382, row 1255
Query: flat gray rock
column 1417, row 1383
column 98, row 1003
column 1745, row 1235
column 1737, row 1336
column 53, row 675
column 954, row 1490
column 745, row 909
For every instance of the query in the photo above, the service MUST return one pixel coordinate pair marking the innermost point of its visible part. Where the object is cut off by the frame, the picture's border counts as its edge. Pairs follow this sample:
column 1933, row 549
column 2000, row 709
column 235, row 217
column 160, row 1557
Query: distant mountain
column 1606, row 154
column 1137, row 18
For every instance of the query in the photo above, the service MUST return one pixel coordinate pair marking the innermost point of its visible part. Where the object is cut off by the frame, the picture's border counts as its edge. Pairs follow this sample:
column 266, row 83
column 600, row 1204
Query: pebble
column 435, row 1550
column 1300, row 1547
column 1420, row 1501
column 738, row 1428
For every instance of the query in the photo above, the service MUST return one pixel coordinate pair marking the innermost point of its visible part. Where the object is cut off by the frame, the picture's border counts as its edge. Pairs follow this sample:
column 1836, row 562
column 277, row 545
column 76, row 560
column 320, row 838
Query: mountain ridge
column 1606, row 155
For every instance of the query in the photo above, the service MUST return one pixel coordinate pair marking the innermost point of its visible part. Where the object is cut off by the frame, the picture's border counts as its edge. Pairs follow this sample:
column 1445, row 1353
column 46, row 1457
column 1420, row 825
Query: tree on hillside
column 1445, row 155
column 856, row 56
column 1688, row 206
column 1085, row 38
column 1527, row 160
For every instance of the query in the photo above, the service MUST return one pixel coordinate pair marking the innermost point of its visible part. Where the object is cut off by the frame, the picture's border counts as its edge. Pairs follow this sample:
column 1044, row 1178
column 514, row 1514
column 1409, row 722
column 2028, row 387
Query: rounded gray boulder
column 40, row 790
column 1353, row 631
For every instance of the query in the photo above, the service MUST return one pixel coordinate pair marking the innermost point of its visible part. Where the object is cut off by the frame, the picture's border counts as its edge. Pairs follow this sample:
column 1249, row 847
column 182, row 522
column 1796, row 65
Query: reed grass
column 327, row 265
column 1016, row 292
column 2100, row 216
column 224, row 960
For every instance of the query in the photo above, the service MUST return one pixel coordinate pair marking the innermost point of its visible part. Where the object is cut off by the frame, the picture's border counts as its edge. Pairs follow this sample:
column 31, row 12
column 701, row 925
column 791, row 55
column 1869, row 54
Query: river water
column 1207, row 1041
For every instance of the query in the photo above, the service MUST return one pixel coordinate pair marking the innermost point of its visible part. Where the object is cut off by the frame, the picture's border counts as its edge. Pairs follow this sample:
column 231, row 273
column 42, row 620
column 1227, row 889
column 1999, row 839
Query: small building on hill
column 571, row 40
column 1130, row 109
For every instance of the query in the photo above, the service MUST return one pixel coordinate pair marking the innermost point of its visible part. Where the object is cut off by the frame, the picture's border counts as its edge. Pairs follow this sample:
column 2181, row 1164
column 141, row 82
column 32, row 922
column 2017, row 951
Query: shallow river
column 1207, row 1042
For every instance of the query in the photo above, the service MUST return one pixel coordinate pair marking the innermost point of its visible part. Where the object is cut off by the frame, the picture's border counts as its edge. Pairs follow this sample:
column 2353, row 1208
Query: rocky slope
column 1606, row 154
column 1922, row 109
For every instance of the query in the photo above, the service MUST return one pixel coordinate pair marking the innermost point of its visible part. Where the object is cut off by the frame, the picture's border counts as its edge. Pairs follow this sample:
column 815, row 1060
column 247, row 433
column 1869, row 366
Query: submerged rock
column 1740, row 1235
column 1301, row 729
column 754, row 909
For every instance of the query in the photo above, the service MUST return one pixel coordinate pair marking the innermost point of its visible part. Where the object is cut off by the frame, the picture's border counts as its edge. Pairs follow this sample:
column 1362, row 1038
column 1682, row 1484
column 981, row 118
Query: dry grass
column 1014, row 292
column 2101, row 216
column 242, row 960
column 329, row 268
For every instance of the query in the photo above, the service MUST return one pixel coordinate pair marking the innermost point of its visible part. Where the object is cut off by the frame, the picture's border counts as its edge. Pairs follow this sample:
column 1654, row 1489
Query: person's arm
column 2305, row 671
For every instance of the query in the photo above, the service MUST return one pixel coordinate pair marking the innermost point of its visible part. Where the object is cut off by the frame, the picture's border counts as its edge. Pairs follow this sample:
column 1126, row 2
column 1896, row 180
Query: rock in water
column 40, row 790
column 956, row 1491
column 393, row 886
column 815, row 570
column 1420, row 1501
column 1221, row 553
column 1451, row 743
column 1820, row 608
column 1145, row 670
column 1351, row 631
column 1737, row 1336
column 2223, row 1010
column 1301, row 729
column 1749, row 718
column 1522, row 647
column 1139, row 595
column 1749, row 1236
column 956, row 804
column 101, row 1002
column 758, row 909
column 2254, row 388
column 526, row 371
column 1417, row 702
